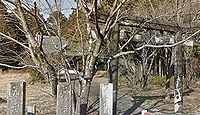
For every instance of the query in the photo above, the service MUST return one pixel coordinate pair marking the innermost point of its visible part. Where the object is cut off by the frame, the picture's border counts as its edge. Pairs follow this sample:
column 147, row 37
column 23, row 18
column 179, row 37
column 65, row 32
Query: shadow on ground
column 150, row 103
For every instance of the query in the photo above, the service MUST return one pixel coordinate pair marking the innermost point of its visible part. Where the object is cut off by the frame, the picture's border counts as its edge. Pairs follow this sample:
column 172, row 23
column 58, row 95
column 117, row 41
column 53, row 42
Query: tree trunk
column 53, row 80
column 144, row 69
column 36, row 51
column 169, row 73
column 157, row 64
column 86, row 81
column 113, row 64
column 167, row 89
column 85, row 87
column 178, row 65
column 178, row 79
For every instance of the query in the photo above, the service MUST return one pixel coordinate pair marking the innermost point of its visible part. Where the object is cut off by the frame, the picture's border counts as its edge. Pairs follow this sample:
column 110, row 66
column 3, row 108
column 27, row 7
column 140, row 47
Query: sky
column 66, row 6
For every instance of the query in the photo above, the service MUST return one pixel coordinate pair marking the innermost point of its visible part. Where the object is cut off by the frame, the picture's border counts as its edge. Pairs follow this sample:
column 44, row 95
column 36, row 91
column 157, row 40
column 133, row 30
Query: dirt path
column 128, row 102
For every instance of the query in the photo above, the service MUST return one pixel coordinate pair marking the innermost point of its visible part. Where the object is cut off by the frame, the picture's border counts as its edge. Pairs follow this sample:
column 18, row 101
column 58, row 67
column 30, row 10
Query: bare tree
column 97, row 34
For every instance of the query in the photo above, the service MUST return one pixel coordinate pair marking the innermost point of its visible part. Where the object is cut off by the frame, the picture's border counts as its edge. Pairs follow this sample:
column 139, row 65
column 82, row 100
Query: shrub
column 157, row 80
column 122, row 81
column 36, row 76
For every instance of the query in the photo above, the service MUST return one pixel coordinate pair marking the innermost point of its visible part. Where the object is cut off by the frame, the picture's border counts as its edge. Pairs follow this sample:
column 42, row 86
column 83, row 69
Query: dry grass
column 36, row 94
column 14, row 73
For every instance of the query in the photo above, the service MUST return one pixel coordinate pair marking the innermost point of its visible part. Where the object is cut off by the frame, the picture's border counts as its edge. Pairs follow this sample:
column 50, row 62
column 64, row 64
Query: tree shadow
column 2, row 101
column 92, row 107
column 187, row 93
column 138, row 103
column 139, row 100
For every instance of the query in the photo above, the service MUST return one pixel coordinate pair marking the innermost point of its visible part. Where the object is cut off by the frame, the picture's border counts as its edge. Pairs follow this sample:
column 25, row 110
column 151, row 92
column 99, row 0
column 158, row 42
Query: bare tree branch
column 15, row 67
column 156, row 46
column 8, row 37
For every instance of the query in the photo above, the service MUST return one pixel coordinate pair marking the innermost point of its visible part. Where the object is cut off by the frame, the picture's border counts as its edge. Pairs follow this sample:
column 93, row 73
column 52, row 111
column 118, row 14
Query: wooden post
column 106, row 99
column 64, row 99
column 16, row 98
